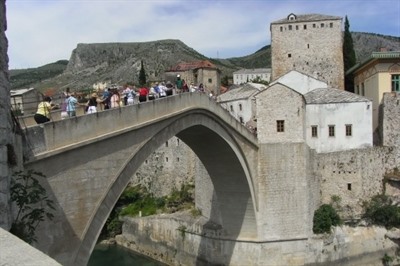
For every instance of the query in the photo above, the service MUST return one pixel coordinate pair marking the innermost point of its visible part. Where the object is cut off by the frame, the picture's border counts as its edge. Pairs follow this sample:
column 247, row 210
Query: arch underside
column 219, row 153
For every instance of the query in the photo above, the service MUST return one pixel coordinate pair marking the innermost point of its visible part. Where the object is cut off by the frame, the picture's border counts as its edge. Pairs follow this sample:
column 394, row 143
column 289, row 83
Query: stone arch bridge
column 89, row 160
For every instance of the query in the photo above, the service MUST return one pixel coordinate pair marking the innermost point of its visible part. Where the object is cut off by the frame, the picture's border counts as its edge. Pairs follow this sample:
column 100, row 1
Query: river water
column 113, row 255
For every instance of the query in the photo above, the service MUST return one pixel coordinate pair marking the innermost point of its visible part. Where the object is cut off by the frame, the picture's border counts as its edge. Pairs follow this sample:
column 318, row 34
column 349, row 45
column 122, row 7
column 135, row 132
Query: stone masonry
column 6, row 139
column 310, row 44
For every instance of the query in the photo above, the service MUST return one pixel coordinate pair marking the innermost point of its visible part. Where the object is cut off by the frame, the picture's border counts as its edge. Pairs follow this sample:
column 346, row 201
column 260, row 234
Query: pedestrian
column 143, row 94
column 71, row 102
column 130, row 95
column 115, row 99
column 91, row 104
column 42, row 114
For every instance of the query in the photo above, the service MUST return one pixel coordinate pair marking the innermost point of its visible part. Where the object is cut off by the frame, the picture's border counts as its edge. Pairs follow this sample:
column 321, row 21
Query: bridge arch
column 223, row 159
column 72, row 154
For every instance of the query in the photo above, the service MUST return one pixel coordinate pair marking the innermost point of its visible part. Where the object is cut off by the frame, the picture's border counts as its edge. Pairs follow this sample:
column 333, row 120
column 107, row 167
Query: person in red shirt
column 143, row 92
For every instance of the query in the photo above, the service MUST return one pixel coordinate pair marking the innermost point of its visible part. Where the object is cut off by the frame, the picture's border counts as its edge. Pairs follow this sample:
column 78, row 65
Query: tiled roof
column 192, row 65
column 306, row 18
column 253, row 71
column 243, row 92
column 20, row 91
column 331, row 95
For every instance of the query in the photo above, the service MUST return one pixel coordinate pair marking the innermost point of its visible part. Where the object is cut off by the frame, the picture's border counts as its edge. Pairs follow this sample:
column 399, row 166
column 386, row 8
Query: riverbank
column 181, row 239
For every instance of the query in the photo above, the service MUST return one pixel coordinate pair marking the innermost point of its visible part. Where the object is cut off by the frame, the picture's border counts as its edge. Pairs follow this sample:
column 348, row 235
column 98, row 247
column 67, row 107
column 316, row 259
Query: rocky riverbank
column 181, row 239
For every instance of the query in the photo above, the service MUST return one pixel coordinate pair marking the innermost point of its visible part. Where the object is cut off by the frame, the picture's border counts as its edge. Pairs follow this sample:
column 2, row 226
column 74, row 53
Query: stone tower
column 311, row 44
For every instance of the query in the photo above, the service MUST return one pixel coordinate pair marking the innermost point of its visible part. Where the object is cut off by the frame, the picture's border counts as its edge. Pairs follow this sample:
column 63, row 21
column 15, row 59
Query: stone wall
column 390, row 119
column 180, row 239
column 354, row 175
column 6, row 139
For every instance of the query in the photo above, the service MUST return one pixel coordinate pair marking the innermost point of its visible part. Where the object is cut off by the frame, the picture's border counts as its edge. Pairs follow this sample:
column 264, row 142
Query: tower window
column 289, row 55
column 314, row 26
column 280, row 125
column 314, row 131
column 166, row 144
column 349, row 186
column 305, row 26
column 297, row 27
column 231, row 108
column 396, row 83
column 349, row 131
column 290, row 27
column 331, row 129
column 322, row 25
column 281, row 28
column 240, row 107
column 308, row 45
column 331, row 25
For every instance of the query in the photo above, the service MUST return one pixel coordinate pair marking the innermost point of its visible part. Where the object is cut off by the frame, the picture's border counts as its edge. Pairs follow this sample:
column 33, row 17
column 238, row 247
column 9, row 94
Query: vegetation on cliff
column 137, row 201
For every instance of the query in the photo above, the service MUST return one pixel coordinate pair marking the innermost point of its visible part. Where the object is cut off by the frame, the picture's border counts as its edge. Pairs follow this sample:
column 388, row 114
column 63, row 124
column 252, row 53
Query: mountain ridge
column 119, row 62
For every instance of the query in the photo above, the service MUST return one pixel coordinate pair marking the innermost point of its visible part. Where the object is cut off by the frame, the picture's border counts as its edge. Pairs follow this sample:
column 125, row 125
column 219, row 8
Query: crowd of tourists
column 113, row 97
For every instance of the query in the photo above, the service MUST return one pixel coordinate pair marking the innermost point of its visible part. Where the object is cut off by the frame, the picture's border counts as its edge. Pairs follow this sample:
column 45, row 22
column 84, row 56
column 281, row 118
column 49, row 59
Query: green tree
column 381, row 210
column 32, row 202
column 142, row 75
column 349, row 56
column 324, row 218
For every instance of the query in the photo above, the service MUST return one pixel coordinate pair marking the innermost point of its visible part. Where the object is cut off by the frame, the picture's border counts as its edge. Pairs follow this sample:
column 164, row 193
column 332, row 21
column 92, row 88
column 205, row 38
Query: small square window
column 280, row 125
column 331, row 131
column 349, row 131
column 314, row 131
column 289, row 55
column 209, row 80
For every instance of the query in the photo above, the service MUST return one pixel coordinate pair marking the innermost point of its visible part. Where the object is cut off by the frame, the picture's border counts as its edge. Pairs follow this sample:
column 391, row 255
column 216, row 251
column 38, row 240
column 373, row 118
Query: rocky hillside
column 120, row 62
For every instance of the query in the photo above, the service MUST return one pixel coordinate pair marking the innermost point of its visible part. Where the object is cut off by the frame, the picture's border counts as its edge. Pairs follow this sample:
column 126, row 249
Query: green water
column 104, row 255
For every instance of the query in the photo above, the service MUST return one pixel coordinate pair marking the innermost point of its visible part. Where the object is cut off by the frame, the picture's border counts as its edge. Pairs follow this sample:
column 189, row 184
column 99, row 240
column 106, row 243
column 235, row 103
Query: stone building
column 311, row 44
column 240, row 102
column 248, row 75
column 197, row 72
column 378, row 74
column 316, row 115
column 25, row 101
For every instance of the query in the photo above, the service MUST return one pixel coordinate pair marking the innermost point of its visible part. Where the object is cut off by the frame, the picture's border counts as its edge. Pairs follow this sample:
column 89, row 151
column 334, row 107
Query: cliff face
column 121, row 62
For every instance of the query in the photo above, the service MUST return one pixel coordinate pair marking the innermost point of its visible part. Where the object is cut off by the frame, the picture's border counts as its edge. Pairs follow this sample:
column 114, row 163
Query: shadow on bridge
column 89, row 161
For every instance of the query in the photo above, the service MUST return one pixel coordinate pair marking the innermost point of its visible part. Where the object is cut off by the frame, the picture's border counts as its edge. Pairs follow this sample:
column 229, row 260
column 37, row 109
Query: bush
column 324, row 218
column 33, row 204
column 381, row 211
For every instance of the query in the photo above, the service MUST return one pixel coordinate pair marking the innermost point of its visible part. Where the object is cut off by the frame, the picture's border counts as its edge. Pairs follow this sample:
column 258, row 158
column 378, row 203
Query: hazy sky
column 44, row 31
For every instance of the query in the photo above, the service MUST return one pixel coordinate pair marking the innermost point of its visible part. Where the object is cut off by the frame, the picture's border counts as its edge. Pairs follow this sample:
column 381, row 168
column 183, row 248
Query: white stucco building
column 240, row 102
column 243, row 76
column 337, row 120
column 298, row 108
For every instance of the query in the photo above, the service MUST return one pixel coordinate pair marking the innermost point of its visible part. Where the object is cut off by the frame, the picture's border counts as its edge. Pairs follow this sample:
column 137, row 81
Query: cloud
column 43, row 31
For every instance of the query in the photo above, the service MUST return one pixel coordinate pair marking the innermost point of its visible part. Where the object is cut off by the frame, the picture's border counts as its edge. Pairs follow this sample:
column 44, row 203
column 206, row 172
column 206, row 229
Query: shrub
column 324, row 218
column 380, row 210
column 32, row 202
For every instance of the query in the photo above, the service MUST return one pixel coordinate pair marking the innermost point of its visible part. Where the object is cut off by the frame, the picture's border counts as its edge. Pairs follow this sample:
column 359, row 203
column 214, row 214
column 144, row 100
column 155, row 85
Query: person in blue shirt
column 71, row 103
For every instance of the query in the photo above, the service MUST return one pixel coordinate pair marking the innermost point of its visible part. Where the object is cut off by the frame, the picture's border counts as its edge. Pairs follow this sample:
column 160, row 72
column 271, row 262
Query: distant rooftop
column 331, row 95
column 291, row 18
column 253, row 71
column 20, row 91
column 193, row 65
column 375, row 56
column 243, row 92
